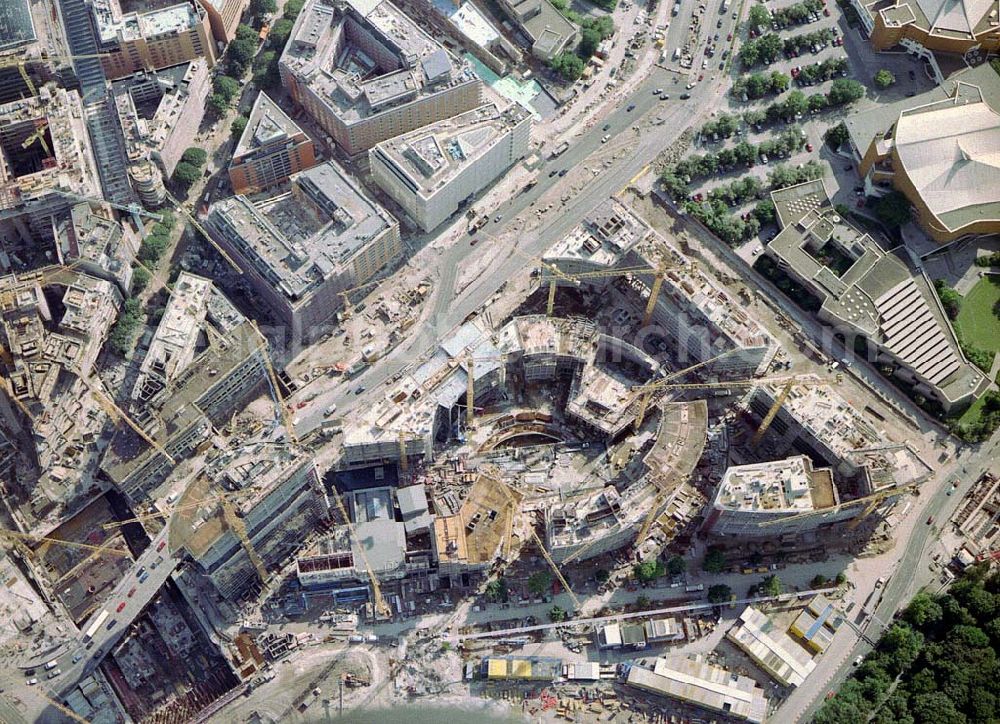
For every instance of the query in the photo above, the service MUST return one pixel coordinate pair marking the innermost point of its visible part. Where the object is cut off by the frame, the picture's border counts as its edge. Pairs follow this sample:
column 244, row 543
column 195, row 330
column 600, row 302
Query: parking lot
column 826, row 49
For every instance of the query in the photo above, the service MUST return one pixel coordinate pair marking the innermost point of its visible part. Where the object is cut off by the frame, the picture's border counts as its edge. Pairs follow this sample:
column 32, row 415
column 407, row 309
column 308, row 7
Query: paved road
column 77, row 657
column 911, row 574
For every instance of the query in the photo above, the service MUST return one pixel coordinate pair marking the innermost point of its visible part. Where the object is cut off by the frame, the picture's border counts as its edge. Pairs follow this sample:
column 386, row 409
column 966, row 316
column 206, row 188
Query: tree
column 884, row 78
column 779, row 81
column 676, row 565
column 759, row 17
column 817, row 102
column 893, row 209
column 818, row 581
column 719, row 593
column 217, row 104
column 245, row 32
column 496, row 590
column 845, row 90
column 765, row 212
column 589, row 40
column 260, row 8
column 756, row 85
column 648, row 570
column 772, row 586
column 795, row 103
column 293, row 8
column 195, row 156
column 837, row 135
column 715, row 561
column 280, row 32
column 602, row 575
column 140, row 279
column 568, row 65
column 539, row 582
column 185, row 174
column 238, row 125
column 642, row 602
column 240, row 52
column 901, row 645
column 226, row 87
column 557, row 614
column 750, row 54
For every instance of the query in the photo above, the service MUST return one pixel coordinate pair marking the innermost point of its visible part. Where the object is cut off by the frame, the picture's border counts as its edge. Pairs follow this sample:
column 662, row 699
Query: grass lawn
column 977, row 322
column 973, row 412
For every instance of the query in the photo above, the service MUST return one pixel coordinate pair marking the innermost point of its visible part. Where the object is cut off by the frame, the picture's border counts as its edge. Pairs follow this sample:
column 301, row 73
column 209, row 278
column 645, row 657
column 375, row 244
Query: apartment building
column 224, row 17
column 432, row 171
column 867, row 292
column 366, row 72
column 939, row 149
column 160, row 112
column 304, row 245
column 271, row 149
column 152, row 39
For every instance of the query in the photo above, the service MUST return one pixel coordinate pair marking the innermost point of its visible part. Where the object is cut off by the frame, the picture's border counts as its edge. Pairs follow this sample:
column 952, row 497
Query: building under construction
column 274, row 498
column 90, row 239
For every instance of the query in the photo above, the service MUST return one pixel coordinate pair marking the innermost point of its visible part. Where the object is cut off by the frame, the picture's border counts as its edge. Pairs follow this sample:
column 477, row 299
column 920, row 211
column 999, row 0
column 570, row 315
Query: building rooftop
column 111, row 21
column 431, row 156
column 59, row 159
column 89, row 233
column 779, row 486
column 777, row 653
column 694, row 681
column 298, row 240
column 545, row 25
column 327, row 50
column 150, row 104
column 948, row 18
column 16, row 25
column 868, row 289
column 267, row 125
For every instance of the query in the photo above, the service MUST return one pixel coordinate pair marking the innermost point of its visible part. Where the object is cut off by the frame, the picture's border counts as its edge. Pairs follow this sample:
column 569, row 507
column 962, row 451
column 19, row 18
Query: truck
column 95, row 625
column 356, row 368
column 559, row 150
column 478, row 223
column 52, row 664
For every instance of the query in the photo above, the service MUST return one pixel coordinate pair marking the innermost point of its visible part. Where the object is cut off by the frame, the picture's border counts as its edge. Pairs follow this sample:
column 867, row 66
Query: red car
column 160, row 547
column 729, row 37
column 809, row 147
column 131, row 592
column 121, row 607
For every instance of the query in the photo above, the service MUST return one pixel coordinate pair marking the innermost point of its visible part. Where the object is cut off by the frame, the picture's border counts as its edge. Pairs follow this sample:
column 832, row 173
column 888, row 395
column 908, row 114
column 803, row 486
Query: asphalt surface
column 88, row 655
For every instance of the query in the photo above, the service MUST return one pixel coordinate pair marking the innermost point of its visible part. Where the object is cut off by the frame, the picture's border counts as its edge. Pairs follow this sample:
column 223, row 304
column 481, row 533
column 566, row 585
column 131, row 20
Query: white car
column 606, row 138
column 330, row 410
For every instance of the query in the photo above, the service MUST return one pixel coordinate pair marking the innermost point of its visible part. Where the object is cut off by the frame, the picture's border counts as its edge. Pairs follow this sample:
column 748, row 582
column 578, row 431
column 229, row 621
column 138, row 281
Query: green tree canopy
column 568, row 65
column 226, row 87
column 845, row 90
column 293, row 8
column 195, row 156
column 893, row 209
column 715, row 561
column 238, row 125
column 280, row 31
column 772, row 586
column 884, row 78
column 676, row 565
column 261, row 8
column 185, row 174
column 539, row 582
column 719, row 593
column 557, row 614
column 648, row 570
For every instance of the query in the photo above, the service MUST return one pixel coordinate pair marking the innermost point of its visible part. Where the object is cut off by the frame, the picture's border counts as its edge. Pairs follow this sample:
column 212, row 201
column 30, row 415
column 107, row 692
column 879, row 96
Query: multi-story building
column 772, row 499
column 699, row 320
column 89, row 238
column 547, row 30
column 303, row 246
column 922, row 26
column 178, row 405
column 160, row 38
column 284, row 501
column 224, row 17
column 939, row 149
column 867, row 292
column 773, row 650
column 433, row 170
column 45, row 159
column 160, row 113
column 271, row 149
column 366, row 72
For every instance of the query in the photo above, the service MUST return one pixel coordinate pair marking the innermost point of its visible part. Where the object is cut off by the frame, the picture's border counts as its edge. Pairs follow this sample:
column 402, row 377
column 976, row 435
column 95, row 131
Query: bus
column 95, row 625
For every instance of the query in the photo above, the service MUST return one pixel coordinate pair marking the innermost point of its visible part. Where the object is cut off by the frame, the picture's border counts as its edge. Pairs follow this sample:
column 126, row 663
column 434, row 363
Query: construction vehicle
column 189, row 217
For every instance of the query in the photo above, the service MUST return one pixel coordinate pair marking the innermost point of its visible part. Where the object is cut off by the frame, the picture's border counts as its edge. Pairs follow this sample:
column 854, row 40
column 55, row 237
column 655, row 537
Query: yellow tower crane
column 772, row 413
column 38, row 135
column 21, row 63
column 15, row 536
column 115, row 412
column 345, row 296
column 239, row 529
column 282, row 407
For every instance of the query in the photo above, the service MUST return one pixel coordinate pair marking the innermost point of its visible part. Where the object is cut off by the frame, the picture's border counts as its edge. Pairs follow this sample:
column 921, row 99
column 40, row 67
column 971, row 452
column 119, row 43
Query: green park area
column 978, row 321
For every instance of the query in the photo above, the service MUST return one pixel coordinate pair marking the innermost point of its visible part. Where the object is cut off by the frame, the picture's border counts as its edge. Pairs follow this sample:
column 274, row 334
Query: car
column 497, row 218
column 809, row 147
column 605, row 127
column 701, row 77
column 564, row 172
column 138, row 574
column 729, row 36
column 153, row 565
column 685, row 96
column 606, row 138
column 858, row 660
column 665, row 97
column 716, row 38
column 159, row 560
column 297, row 420
column 552, row 173
column 121, row 607
column 719, row 24
column 630, row 108
column 161, row 546
column 55, row 673
column 657, row 91
column 826, row 11
column 111, row 624
column 704, row 64
column 930, row 520
column 77, row 657
column 131, row 591
column 31, row 682
column 689, row 86
column 143, row 578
